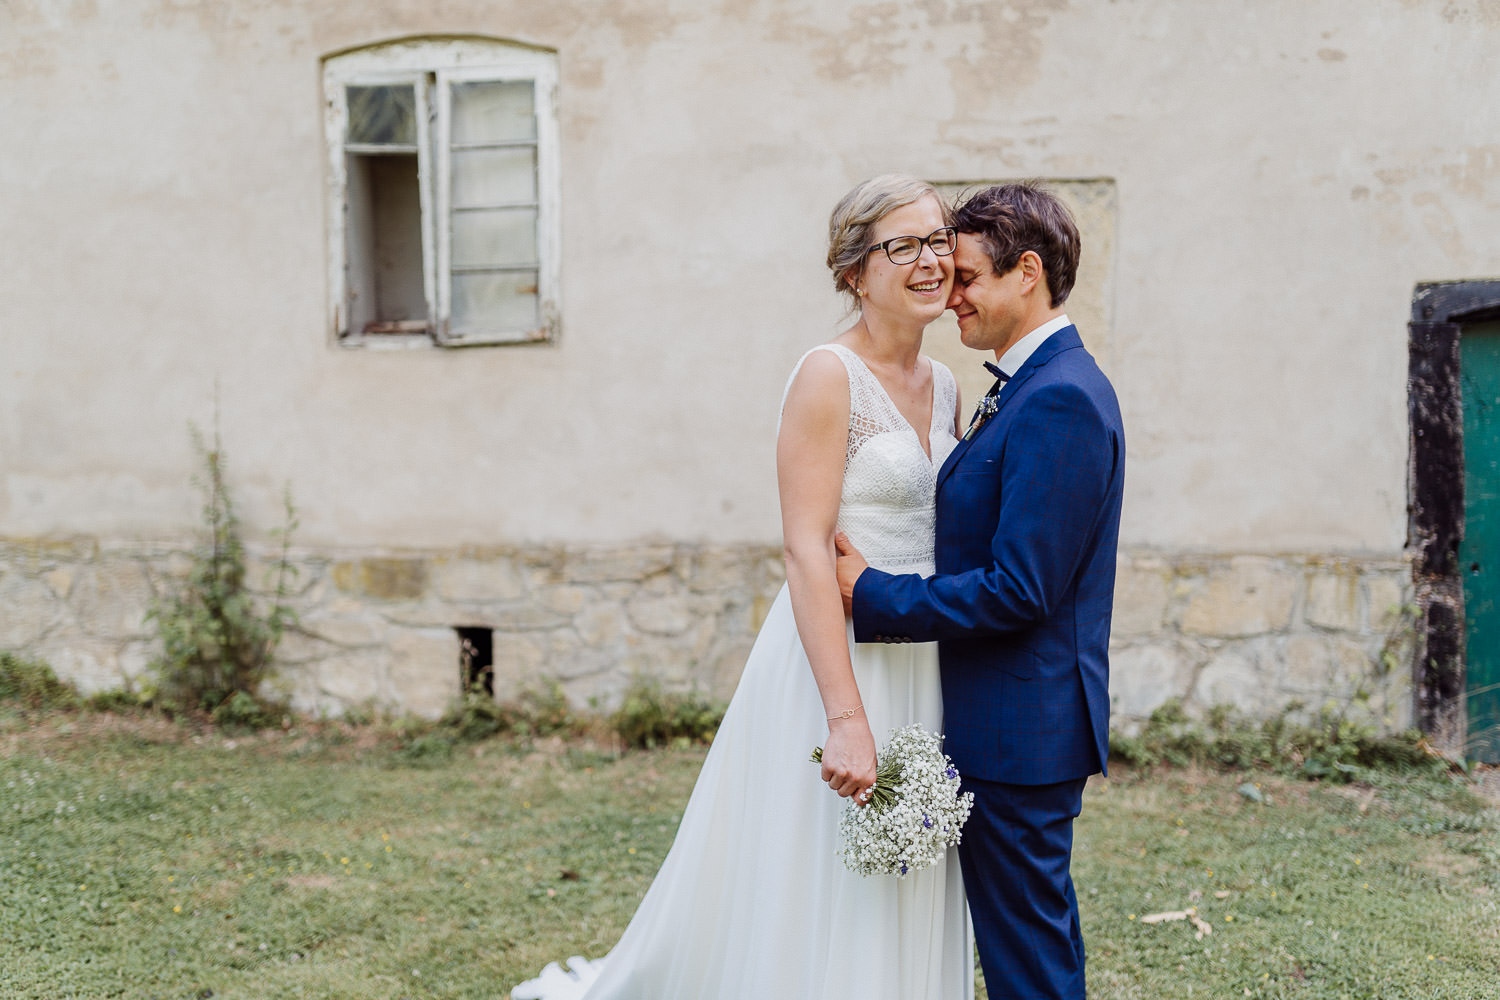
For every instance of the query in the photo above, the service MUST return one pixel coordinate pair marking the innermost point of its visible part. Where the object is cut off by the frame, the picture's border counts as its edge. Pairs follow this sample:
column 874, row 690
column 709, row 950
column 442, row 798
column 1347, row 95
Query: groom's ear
column 1033, row 273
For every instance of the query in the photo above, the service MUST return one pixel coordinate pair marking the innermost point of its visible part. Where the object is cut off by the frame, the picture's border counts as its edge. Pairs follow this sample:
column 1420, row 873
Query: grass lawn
column 142, row 859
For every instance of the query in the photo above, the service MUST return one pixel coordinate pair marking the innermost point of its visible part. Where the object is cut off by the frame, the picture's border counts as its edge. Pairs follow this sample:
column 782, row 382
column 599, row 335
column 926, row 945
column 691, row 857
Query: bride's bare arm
column 810, row 475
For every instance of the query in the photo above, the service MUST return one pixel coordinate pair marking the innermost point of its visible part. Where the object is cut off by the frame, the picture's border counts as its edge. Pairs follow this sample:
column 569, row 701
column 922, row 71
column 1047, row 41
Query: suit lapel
column 1063, row 340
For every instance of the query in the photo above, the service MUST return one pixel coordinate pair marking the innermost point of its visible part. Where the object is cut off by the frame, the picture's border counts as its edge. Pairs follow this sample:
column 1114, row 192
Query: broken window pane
column 493, row 111
column 383, row 115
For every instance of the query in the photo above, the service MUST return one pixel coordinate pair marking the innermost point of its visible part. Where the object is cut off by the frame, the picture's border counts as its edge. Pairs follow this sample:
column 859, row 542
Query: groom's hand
column 849, row 566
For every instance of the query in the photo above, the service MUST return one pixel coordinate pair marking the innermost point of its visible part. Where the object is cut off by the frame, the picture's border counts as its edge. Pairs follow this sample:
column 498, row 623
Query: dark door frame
column 1435, row 499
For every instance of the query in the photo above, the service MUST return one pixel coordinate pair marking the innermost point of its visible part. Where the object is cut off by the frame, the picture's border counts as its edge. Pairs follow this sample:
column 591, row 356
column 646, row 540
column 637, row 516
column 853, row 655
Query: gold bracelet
column 846, row 715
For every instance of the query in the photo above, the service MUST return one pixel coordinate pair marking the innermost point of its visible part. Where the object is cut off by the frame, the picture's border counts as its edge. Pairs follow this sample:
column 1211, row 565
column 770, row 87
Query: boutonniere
column 986, row 409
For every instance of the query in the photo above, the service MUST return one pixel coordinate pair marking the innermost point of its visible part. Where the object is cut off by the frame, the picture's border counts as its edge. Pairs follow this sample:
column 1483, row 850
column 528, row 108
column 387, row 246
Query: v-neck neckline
column 925, row 445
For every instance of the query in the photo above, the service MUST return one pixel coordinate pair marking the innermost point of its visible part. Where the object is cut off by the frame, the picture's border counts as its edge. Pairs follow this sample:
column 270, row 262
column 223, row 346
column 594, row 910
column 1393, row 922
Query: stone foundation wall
column 1261, row 632
column 380, row 629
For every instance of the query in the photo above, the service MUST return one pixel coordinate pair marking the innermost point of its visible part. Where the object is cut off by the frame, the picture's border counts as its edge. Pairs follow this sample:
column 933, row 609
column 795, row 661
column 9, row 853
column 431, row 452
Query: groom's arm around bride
column 1028, row 510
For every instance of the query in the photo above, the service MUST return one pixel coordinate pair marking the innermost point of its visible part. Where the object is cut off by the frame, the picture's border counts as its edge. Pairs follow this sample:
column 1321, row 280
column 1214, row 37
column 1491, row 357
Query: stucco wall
column 1285, row 173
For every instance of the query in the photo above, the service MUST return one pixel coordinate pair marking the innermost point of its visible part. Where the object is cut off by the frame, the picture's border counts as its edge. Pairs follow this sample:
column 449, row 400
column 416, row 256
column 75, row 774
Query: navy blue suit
column 1028, row 517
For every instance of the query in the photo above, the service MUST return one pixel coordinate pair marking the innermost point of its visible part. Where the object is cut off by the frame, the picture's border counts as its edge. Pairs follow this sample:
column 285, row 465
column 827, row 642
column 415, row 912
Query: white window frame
column 432, row 66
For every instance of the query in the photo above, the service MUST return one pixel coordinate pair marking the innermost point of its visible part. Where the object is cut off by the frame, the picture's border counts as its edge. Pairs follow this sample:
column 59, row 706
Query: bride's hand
column 849, row 756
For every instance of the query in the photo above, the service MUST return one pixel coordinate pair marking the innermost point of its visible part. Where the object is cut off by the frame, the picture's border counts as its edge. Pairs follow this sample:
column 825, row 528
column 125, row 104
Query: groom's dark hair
column 1010, row 219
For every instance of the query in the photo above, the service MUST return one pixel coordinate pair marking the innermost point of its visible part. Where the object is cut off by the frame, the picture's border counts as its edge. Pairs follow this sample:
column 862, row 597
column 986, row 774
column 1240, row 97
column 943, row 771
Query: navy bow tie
column 997, row 372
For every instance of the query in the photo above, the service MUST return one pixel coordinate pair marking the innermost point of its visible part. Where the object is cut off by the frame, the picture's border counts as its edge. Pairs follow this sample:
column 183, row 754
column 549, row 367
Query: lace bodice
column 890, row 484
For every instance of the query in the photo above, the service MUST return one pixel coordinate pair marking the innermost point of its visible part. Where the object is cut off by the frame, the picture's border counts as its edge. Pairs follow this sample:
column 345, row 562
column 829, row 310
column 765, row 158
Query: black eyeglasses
column 905, row 249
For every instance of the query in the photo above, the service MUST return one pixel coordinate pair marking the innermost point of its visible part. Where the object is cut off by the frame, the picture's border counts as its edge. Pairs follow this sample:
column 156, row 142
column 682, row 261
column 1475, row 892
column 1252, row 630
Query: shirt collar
column 1020, row 352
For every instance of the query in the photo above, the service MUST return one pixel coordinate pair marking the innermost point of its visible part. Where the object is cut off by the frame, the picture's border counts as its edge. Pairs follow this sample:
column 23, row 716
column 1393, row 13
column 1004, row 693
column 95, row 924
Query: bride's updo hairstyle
column 855, row 216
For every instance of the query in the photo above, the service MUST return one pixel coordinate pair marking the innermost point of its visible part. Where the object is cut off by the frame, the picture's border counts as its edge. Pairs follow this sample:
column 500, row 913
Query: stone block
column 478, row 580
column 90, row 665
column 569, row 664
column 1386, row 596
column 519, row 663
column 424, row 674
column 632, row 563
column 28, row 610
column 1143, row 677
column 719, row 671
column 1235, row 676
column 33, row 555
column 1352, row 668
column 263, row 573
column 715, row 569
column 660, row 615
column 1318, row 669
column 135, row 659
column 112, row 599
column 353, row 678
column 1142, row 590
column 60, row 580
column 1306, row 667
column 601, row 624
column 1333, row 601
column 365, row 631
column 1249, row 596
column 383, row 578
column 528, row 617
column 565, row 600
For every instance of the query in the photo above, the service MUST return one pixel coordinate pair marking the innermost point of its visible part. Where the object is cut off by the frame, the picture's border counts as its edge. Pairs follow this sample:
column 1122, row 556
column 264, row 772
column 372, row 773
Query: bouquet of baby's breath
column 915, row 810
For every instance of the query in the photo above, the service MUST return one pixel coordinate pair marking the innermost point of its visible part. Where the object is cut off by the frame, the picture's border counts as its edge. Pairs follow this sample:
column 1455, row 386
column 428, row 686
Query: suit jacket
column 1028, row 520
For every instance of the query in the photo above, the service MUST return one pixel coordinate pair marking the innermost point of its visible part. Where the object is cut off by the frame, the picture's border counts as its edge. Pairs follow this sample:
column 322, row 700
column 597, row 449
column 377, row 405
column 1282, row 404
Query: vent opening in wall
column 476, row 658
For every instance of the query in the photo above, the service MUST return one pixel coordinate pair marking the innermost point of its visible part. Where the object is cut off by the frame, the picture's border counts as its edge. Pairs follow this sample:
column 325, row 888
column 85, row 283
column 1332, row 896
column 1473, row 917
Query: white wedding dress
column 753, row 901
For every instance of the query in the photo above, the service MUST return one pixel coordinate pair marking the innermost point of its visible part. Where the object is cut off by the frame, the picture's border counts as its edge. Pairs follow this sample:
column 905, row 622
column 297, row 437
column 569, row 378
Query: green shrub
column 543, row 711
column 218, row 639
column 649, row 717
column 1329, row 747
column 115, row 700
column 242, row 711
column 34, row 685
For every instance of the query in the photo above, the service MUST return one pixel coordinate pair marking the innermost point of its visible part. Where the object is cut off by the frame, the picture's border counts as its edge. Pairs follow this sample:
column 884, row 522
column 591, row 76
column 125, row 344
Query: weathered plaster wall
column 1285, row 173
column 1280, row 175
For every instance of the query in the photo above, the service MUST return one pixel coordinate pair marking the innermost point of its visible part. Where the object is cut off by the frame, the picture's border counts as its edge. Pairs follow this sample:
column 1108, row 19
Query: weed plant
column 218, row 638
column 1329, row 747
column 32, row 685
column 649, row 717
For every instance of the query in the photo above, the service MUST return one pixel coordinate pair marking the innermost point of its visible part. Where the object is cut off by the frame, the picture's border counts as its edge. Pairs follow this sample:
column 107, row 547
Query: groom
column 1028, row 515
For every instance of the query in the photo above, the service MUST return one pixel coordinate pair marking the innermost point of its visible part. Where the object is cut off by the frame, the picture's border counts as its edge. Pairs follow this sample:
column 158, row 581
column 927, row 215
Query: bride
column 753, row 900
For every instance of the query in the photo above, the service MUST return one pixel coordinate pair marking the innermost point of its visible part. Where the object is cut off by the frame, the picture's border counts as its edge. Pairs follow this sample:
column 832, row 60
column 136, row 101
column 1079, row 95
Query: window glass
column 493, row 111
column 489, row 177
column 495, row 238
column 383, row 116
column 506, row 298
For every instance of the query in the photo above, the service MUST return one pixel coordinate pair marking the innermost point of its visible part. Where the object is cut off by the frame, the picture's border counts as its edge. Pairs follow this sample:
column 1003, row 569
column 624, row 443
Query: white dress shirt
column 1011, row 361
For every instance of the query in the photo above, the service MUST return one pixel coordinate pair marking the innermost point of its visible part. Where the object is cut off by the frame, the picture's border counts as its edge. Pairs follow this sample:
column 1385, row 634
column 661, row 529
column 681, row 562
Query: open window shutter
column 489, row 258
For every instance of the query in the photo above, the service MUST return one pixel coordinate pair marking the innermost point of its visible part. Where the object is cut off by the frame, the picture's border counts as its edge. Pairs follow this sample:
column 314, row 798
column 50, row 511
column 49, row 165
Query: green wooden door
column 1479, row 553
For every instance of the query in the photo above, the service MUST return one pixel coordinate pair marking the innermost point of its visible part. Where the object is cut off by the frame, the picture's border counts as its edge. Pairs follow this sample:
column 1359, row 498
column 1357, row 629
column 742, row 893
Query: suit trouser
column 1015, row 852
